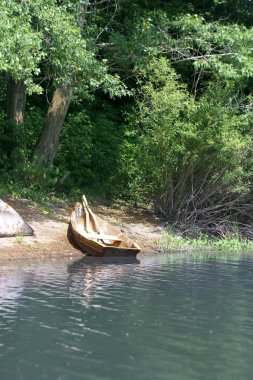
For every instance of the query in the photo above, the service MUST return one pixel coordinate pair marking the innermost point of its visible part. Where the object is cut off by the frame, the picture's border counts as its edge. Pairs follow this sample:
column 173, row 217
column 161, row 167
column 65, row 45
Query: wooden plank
column 101, row 236
column 92, row 215
column 98, row 229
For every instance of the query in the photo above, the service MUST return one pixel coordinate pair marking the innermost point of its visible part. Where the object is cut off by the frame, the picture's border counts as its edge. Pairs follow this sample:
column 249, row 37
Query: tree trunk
column 83, row 8
column 46, row 148
column 15, row 101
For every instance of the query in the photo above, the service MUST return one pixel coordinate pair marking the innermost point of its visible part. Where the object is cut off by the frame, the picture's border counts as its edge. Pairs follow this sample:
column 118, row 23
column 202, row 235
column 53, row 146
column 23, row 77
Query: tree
column 76, row 65
column 46, row 38
column 21, row 53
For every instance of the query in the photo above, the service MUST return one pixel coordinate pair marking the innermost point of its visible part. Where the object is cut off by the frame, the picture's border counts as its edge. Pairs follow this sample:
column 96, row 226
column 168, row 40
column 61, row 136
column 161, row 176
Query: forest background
column 148, row 101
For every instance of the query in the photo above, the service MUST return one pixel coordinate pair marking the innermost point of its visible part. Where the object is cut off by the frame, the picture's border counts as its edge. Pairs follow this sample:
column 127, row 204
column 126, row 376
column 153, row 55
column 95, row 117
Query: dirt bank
column 50, row 227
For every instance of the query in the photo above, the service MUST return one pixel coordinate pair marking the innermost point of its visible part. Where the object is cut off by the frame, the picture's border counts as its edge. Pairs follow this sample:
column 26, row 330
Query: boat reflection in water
column 83, row 277
column 93, row 276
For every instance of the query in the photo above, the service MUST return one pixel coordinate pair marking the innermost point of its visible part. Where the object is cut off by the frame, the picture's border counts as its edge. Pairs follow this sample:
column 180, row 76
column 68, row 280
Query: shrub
column 194, row 157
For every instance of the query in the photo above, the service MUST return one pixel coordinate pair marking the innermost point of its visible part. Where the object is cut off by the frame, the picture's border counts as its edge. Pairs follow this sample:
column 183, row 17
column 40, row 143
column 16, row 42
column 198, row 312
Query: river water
column 178, row 317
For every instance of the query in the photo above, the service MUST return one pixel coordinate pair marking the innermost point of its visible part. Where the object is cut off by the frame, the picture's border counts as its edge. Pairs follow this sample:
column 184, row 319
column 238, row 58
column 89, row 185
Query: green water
column 178, row 317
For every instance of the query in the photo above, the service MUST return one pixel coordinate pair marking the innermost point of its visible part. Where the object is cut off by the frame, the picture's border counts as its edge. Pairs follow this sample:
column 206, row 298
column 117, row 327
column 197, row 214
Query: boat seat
column 94, row 235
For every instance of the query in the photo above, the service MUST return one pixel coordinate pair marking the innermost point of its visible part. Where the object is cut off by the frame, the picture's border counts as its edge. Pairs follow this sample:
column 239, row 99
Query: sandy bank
column 50, row 227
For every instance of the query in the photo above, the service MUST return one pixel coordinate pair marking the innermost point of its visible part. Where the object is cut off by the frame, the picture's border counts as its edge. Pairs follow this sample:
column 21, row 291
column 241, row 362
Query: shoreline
column 50, row 227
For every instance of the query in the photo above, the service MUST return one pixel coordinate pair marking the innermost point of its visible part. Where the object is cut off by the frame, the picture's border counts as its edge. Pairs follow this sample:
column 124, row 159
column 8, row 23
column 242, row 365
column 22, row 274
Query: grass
column 46, row 196
column 43, row 197
column 18, row 240
column 233, row 243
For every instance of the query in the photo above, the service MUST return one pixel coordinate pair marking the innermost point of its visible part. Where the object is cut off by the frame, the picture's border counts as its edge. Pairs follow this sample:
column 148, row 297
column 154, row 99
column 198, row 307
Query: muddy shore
column 50, row 230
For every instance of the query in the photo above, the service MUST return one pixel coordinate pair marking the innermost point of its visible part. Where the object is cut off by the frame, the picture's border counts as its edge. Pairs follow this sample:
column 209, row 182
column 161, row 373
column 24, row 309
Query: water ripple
column 190, row 316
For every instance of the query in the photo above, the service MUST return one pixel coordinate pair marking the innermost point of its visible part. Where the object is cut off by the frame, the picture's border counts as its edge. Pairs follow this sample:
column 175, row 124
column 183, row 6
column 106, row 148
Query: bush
column 194, row 158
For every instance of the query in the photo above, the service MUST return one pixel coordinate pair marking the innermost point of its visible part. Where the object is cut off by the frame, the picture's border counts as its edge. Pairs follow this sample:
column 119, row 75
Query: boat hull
column 92, row 249
column 11, row 223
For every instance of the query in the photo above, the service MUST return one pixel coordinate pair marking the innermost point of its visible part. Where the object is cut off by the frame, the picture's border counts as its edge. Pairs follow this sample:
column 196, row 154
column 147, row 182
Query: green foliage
column 69, row 57
column 161, row 117
column 20, row 45
column 38, row 177
column 16, row 147
column 75, row 149
column 34, row 120
column 221, row 49
column 41, row 37
column 194, row 158
column 90, row 149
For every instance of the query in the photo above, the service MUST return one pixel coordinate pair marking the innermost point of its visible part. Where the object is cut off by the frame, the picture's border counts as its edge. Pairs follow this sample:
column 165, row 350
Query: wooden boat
column 11, row 223
column 97, row 237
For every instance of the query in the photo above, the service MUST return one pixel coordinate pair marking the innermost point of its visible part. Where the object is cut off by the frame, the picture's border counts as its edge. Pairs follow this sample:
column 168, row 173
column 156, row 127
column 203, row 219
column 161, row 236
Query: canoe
column 96, row 237
column 11, row 223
